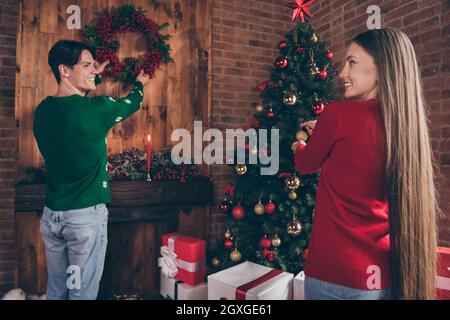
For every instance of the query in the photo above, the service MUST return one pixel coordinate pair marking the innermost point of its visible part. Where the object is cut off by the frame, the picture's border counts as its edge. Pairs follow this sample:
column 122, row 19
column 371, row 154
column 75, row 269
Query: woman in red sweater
column 374, row 231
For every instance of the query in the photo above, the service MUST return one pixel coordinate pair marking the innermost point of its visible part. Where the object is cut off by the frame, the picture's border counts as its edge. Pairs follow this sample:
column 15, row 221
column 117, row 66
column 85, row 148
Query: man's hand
column 309, row 125
column 143, row 78
column 100, row 67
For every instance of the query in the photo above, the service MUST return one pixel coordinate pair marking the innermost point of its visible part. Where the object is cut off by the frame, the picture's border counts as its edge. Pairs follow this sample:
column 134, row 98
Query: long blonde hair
column 409, row 174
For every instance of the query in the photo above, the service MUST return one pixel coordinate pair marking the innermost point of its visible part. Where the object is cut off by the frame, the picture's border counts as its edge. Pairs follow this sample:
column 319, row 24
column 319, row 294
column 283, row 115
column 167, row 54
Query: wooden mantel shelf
column 131, row 200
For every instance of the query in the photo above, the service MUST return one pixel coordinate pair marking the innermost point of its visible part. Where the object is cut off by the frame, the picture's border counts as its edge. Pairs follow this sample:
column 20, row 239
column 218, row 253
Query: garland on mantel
column 131, row 165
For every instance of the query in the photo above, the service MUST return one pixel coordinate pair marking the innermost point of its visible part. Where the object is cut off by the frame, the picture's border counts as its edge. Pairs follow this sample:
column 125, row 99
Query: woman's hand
column 143, row 78
column 100, row 67
column 294, row 146
column 309, row 126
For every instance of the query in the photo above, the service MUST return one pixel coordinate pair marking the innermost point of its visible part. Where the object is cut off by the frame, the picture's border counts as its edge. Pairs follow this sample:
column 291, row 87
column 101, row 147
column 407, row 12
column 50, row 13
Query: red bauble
column 224, row 207
column 329, row 55
column 318, row 107
column 323, row 74
column 271, row 115
column 264, row 242
column 270, row 208
column 299, row 50
column 282, row 44
column 238, row 212
column 228, row 243
column 281, row 62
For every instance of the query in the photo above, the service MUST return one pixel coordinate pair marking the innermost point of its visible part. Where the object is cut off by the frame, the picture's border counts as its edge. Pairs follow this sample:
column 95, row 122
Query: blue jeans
column 321, row 290
column 75, row 247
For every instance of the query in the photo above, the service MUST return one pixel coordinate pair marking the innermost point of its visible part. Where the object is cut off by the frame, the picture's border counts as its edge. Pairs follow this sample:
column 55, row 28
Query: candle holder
column 148, row 176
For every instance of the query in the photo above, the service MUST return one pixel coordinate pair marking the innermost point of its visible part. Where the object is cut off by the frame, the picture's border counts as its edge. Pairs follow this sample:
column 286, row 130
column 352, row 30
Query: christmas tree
column 269, row 217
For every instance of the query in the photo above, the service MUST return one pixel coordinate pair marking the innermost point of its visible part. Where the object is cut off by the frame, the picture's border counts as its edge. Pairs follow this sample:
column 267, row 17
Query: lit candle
column 149, row 142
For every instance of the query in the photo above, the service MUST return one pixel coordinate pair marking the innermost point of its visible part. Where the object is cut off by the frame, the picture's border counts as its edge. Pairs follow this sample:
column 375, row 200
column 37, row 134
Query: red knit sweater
column 349, row 243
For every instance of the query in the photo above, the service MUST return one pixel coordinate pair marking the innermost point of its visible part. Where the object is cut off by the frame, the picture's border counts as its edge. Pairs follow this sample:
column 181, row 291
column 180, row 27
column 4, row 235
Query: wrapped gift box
column 250, row 281
column 443, row 274
column 299, row 286
column 178, row 290
column 188, row 254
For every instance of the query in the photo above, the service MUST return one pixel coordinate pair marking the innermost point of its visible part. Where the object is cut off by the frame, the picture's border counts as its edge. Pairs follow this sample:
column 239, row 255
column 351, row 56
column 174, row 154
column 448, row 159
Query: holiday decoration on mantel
column 127, row 18
column 270, row 217
column 132, row 165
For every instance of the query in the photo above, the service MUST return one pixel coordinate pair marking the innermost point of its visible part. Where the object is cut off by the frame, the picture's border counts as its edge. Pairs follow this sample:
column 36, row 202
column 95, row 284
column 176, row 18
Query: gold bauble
column 314, row 38
column 235, row 255
column 292, row 195
column 215, row 262
column 259, row 108
column 292, row 183
column 302, row 135
column 228, row 234
column 259, row 209
column 241, row 169
column 290, row 98
column 294, row 228
column 276, row 241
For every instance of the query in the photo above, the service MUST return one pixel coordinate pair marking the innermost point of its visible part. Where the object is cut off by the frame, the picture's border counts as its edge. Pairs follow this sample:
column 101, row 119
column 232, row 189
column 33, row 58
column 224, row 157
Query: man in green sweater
column 70, row 129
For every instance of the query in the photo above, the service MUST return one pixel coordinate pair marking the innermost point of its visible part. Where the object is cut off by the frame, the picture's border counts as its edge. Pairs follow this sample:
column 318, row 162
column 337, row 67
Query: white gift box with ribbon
column 299, row 286
column 178, row 290
column 250, row 281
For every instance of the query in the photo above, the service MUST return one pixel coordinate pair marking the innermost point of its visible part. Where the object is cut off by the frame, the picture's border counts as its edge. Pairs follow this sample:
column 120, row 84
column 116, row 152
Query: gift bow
column 269, row 254
column 168, row 262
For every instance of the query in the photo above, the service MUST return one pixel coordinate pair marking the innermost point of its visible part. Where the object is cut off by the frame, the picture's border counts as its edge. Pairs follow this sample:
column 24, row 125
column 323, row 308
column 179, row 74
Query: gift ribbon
column 442, row 283
column 241, row 291
column 175, row 295
column 301, row 275
column 169, row 262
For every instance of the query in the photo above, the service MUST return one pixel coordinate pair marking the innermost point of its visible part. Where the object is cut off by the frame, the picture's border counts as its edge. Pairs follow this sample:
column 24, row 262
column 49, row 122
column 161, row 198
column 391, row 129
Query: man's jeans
column 75, row 248
column 321, row 290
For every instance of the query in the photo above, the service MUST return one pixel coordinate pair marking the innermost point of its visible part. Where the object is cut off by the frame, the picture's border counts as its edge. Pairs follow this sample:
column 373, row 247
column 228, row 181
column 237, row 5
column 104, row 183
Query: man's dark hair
column 66, row 52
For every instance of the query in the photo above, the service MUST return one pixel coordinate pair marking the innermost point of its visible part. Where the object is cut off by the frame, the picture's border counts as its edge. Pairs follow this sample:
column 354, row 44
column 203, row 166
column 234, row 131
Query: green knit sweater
column 71, row 135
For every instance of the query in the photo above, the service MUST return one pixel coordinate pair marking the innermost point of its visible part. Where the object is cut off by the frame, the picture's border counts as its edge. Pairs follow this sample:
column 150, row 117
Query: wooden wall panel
column 178, row 95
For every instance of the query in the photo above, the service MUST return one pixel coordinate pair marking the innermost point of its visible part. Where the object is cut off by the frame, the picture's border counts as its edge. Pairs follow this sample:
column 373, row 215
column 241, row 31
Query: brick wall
column 244, row 38
column 245, row 34
column 8, row 35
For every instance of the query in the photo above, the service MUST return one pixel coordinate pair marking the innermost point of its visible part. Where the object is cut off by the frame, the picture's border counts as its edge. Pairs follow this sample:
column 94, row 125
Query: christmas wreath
column 126, row 18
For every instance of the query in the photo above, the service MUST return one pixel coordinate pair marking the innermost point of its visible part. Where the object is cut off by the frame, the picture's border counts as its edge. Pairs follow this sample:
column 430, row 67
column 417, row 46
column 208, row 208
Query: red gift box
column 191, row 256
column 443, row 274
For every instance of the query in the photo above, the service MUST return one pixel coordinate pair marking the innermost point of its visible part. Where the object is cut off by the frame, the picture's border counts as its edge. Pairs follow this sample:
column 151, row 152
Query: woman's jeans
column 320, row 290
column 75, row 247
